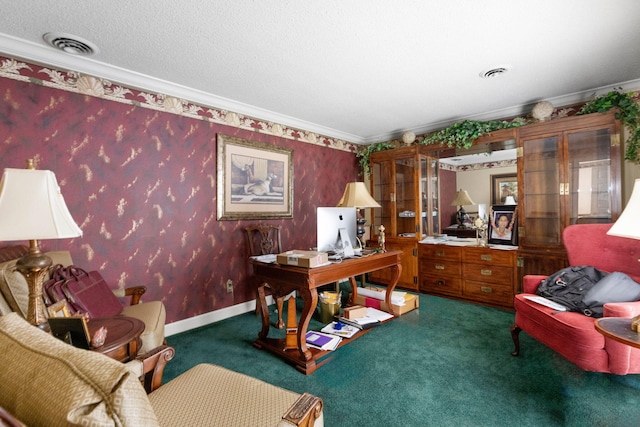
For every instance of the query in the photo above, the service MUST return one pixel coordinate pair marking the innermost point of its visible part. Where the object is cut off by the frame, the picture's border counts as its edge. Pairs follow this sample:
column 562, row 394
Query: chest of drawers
column 483, row 275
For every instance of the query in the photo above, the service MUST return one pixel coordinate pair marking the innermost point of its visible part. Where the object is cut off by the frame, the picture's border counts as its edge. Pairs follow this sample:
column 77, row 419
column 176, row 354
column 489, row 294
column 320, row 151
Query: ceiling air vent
column 71, row 44
column 494, row 72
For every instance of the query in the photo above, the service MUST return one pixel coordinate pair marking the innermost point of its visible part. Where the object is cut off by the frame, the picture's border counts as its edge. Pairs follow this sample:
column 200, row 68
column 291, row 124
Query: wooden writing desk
column 284, row 279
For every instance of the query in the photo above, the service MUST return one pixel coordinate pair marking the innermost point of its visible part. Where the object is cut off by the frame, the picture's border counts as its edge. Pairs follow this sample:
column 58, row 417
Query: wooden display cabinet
column 569, row 172
column 405, row 183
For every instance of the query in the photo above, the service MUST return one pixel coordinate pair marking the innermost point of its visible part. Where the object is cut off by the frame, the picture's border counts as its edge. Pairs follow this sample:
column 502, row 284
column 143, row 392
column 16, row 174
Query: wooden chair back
column 263, row 239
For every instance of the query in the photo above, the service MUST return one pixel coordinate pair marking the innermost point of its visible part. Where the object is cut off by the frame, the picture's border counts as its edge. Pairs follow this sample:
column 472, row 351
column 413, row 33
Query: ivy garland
column 629, row 115
column 365, row 152
column 462, row 134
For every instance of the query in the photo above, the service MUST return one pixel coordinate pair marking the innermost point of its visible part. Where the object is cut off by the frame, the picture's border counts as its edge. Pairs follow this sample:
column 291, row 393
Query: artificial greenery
column 365, row 153
column 629, row 115
column 462, row 134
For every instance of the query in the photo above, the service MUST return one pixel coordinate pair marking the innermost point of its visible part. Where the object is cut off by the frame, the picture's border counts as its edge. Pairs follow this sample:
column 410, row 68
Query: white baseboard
column 211, row 317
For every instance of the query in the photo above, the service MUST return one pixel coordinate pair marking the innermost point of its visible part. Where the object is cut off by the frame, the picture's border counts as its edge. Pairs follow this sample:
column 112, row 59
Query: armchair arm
column 304, row 412
column 135, row 292
column 530, row 283
column 621, row 309
column 153, row 364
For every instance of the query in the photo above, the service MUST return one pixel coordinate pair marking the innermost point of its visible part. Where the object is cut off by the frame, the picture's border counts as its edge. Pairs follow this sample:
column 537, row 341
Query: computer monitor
column 336, row 231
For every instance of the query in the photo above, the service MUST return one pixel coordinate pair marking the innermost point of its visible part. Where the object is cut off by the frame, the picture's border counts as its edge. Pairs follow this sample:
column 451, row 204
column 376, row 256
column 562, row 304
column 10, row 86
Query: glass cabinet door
column 405, row 198
column 589, row 177
column 430, row 224
column 382, row 184
column 541, row 201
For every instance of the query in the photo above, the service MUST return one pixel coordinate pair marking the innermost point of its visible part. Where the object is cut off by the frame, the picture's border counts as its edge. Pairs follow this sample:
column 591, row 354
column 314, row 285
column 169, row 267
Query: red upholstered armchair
column 571, row 334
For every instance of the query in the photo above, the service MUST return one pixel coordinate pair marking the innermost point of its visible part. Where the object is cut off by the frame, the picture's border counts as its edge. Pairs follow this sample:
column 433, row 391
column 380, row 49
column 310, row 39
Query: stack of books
column 322, row 340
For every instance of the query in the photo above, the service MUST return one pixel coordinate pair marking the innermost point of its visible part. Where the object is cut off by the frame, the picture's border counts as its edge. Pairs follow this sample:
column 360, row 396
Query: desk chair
column 264, row 239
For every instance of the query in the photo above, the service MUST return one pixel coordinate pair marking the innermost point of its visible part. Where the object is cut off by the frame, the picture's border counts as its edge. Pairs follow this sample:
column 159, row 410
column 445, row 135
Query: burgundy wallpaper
column 141, row 184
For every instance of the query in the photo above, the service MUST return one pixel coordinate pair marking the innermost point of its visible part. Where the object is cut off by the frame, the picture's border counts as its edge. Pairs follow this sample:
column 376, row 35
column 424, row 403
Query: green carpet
column 446, row 364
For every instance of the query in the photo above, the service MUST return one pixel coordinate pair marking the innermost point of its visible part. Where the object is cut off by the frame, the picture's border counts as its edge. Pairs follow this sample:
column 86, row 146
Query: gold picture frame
column 504, row 185
column 255, row 180
column 58, row 309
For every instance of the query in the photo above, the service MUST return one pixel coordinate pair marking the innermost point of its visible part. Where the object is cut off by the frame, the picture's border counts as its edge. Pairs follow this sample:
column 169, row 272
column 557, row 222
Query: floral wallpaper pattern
column 139, row 178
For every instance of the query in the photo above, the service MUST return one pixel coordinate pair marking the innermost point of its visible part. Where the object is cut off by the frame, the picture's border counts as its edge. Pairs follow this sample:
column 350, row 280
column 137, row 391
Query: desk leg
column 354, row 290
column 310, row 300
column 395, row 276
column 264, row 312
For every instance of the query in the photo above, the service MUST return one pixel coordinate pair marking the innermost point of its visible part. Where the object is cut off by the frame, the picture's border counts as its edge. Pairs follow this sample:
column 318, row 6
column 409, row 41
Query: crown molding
column 46, row 56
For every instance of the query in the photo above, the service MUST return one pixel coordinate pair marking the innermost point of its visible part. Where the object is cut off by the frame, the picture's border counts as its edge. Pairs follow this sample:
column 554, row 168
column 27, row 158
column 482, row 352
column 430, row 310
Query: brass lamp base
column 34, row 266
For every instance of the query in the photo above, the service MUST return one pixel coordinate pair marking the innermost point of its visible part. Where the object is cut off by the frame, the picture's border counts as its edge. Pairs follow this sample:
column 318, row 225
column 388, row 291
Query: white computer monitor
column 336, row 230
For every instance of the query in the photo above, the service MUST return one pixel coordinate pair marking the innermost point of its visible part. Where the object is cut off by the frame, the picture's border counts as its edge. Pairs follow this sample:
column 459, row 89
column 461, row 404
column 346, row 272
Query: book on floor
column 322, row 341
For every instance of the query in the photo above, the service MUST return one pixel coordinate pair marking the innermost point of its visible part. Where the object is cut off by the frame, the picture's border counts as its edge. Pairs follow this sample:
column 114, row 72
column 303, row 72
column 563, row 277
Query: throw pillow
column 616, row 287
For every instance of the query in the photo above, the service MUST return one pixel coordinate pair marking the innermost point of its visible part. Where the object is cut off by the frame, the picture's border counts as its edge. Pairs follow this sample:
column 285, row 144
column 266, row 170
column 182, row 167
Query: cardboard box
column 306, row 259
column 354, row 312
column 411, row 302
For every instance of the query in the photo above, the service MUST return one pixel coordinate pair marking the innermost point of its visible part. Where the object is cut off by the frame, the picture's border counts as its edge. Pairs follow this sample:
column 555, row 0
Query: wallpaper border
column 73, row 81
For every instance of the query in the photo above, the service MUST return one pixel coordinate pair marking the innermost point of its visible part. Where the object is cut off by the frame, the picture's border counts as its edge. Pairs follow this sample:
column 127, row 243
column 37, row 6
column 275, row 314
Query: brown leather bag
column 90, row 294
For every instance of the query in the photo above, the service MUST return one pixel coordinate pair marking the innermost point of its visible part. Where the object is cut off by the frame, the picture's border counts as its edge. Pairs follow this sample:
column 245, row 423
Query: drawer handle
column 439, row 253
column 441, row 283
column 485, row 272
column 486, row 289
column 439, row 267
column 486, row 257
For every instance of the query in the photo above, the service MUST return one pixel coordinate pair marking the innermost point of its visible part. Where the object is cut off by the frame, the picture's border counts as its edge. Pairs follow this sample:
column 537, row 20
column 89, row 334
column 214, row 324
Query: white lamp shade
column 356, row 195
column 32, row 207
column 628, row 225
column 510, row 200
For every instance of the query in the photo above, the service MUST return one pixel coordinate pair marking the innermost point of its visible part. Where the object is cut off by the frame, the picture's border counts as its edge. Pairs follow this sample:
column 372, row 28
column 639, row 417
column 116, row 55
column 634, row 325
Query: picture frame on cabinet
column 503, row 186
column 503, row 225
column 255, row 180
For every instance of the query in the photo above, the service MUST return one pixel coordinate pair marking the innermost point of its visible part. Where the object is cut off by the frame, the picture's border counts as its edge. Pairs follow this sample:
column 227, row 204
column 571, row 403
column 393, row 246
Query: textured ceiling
column 360, row 70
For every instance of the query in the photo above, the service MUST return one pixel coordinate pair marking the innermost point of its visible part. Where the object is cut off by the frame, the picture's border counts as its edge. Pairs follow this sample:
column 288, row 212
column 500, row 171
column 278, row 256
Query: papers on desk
column 322, row 341
column 267, row 259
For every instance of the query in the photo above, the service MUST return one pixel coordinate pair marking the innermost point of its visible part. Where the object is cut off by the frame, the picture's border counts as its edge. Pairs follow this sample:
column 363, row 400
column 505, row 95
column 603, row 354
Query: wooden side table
column 123, row 336
column 619, row 329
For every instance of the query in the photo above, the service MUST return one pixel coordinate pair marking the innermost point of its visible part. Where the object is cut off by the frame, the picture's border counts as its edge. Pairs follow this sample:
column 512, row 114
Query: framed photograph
column 255, row 180
column 59, row 309
column 503, row 225
column 503, row 186
column 72, row 330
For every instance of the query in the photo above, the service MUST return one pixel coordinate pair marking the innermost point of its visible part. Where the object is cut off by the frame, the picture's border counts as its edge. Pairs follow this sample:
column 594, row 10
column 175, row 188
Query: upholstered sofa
column 573, row 334
column 46, row 382
column 14, row 297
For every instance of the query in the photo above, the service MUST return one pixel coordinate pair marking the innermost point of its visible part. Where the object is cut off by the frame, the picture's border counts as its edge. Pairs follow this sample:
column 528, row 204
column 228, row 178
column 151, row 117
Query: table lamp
column 357, row 196
column 32, row 208
column 462, row 198
column 510, row 200
column 628, row 224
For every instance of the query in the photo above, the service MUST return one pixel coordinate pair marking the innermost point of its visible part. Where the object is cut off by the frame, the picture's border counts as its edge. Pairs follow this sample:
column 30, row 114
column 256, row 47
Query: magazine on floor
column 322, row 341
